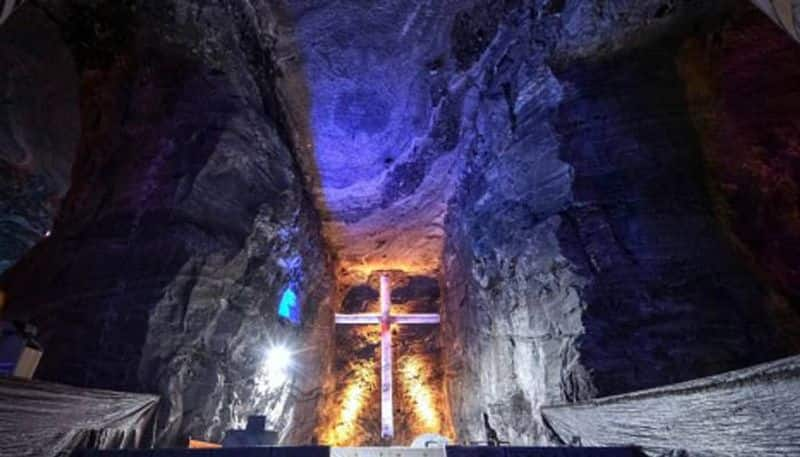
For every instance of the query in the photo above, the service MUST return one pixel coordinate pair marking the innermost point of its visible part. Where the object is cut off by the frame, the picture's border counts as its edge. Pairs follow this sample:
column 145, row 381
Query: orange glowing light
column 353, row 402
column 360, row 272
column 347, row 416
column 197, row 444
column 413, row 376
column 354, row 397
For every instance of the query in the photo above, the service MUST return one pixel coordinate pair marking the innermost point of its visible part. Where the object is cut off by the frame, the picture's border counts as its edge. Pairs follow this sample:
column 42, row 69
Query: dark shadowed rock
column 607, row 191
column 751, row 142
column 185, row 222
column 583, row 255
column 39, row 129
column 354, row 380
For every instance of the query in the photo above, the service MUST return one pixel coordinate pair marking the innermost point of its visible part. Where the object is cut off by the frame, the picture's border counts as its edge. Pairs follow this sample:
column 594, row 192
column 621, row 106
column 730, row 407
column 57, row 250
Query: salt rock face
column 377, row 96
column 354, row 384
column 186, row 221
column 39, row 129
column 752, row 143
column 583, row 255
column 376, row 136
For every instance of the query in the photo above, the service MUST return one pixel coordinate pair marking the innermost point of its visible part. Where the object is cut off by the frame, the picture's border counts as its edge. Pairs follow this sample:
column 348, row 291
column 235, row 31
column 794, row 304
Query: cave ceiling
column 380, row 99
column 362, row 106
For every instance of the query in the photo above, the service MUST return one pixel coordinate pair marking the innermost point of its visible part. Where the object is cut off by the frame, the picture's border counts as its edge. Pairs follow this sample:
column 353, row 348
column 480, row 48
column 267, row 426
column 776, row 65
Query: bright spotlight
column 277, row 364
column 279, row 358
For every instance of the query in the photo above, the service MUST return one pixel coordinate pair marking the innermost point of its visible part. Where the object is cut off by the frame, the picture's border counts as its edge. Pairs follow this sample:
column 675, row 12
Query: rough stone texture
column 741, row 413
column 39, row 129
column 384, row 129
column 752, row 142
column 583, row 256
column 377, row 101
column 417, row 356
column 363, row 86
column 185, row 221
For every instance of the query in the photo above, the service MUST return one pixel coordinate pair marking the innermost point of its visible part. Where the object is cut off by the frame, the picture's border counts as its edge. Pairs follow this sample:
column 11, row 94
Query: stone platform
column 320, row 451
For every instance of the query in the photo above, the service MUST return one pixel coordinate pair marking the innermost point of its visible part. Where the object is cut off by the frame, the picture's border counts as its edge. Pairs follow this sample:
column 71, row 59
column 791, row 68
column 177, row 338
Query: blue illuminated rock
column 539, row 157
column 186, row 220
column 583, row 256
column 39, row 129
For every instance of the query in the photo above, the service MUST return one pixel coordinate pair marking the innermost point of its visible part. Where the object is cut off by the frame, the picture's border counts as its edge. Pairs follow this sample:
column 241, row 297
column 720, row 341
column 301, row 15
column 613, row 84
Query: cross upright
column 385, row 318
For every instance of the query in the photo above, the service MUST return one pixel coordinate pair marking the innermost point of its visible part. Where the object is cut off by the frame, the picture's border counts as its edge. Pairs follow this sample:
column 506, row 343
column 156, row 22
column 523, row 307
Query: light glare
column 276, row 365
column 279, row 358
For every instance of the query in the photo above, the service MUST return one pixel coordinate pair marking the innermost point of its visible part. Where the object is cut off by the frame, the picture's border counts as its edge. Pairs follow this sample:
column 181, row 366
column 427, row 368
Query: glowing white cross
column 385, row 318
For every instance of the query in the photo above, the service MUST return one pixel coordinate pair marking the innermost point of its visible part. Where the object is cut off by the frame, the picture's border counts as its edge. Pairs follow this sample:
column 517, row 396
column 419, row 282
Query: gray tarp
column 44, row 419
column 750, row 412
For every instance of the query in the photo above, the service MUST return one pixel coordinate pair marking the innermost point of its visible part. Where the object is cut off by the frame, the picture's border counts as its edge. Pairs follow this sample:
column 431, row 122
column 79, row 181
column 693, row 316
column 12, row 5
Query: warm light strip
column 413, row 373
column 353, row 400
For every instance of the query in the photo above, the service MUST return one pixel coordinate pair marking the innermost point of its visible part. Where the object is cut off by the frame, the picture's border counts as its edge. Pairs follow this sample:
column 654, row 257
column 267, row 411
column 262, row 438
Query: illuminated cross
column 385, row 318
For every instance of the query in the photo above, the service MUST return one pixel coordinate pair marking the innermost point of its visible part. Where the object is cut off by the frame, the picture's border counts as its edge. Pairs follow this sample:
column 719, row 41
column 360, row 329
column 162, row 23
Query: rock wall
column 351, row 413
column 751, row 141
column 584, row 257
column 364, row 88
column 587, row 251
column 39, row 129
column 185, row 222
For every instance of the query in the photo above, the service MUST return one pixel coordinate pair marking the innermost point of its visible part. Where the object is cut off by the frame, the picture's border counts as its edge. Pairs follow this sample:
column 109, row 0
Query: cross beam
column 385, row 319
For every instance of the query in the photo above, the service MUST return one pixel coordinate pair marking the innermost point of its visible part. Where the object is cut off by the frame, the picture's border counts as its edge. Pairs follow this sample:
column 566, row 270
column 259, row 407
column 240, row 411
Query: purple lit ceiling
column 372, row 72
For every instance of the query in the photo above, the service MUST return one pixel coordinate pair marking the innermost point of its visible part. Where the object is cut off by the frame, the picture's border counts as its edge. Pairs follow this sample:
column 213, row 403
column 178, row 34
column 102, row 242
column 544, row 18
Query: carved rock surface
column 584, row 257
column 185, row 222
column 418, row 383
column 39, row 129
column 381, row 101
column 542, row 158
column 752, row 142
